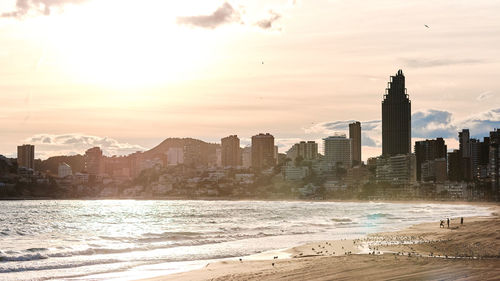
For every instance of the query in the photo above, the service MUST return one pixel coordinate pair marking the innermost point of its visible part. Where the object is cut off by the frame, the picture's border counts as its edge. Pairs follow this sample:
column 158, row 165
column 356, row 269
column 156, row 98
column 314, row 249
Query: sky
column 125, row 75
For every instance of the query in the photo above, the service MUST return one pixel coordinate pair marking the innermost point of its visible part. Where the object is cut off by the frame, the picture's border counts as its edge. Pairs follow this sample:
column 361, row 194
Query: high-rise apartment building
column 338, row 151
column 428, row 150
column 455, row 166
column 26, row 156
column 484, row 156
column 307, row 150
column 355, row 136
column 396, row 117
column 263, row 151
column 463, row 139
column 494, row 162
column 94, row 163
column 465, row 154
column 231, row 156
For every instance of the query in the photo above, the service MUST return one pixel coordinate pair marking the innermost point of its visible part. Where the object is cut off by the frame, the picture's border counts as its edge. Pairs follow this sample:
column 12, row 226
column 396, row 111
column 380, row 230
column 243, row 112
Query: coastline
column 423, row 251
column 412, row 201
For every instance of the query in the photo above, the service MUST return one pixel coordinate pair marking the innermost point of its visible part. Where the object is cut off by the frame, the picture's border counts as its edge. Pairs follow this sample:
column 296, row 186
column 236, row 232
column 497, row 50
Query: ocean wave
column 22, row 257
column 23, row 267
column 378, row 215
column 36, row 249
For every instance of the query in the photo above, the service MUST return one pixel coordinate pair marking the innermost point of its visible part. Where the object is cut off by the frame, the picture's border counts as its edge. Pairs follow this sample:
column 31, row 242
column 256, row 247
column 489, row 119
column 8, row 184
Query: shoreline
column 413, row 201
column 423, row 245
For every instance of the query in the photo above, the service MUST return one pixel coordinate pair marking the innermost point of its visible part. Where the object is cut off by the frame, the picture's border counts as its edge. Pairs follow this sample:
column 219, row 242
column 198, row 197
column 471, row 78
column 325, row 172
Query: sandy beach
column 421, row 252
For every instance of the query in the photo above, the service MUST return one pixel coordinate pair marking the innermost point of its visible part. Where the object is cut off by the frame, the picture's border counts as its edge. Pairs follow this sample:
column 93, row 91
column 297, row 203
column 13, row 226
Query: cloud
column 482, row 123
column 484, row 95
column 47, row 145
column 368, row 141
column 437, row 123
column 39, row 7
column 268, row 23
column 224, row 14
column 370, row 130
column 432, row 124
column 421, row 63
column 426, row 124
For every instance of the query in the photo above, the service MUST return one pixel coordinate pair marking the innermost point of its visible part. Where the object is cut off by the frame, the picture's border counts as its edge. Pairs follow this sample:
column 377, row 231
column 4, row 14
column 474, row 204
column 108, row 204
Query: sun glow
column 121, row 44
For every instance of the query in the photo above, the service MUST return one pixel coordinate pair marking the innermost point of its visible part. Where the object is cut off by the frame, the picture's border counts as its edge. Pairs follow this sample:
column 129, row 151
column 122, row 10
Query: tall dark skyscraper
column 355, row 136
column 396, row 117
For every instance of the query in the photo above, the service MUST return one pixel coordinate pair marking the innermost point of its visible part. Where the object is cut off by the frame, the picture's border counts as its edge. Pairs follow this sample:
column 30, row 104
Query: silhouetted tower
column 355, row 136
column 396, row 117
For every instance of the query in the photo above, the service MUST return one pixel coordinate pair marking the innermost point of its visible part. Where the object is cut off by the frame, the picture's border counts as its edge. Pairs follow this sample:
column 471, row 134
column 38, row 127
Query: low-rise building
column 292, row 173
column 398, row 169
column 64, row 170
column 357, row 175
column 434, row 170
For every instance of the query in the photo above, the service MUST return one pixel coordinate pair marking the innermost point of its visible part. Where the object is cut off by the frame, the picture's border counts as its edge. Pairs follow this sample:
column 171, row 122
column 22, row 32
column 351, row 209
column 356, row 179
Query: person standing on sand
column 441, row 224
column 448, row 221
column 461, row 220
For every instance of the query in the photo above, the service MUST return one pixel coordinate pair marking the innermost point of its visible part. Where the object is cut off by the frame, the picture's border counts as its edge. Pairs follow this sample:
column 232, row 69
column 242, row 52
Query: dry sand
column 421, row 252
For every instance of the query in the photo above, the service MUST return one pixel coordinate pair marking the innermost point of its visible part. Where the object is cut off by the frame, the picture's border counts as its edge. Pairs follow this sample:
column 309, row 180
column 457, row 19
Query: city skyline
column 51, row 100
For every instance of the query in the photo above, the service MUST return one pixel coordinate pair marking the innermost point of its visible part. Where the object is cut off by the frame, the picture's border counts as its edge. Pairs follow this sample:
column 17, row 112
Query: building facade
column 434, row 170
column 494, row 163
column 94, row 161
column 307, row 150
column 263, row 151
column 338, row 151
column 465, row 154
column 429, row 150
column 398, row 169
column 355, row 136
column 396, row 117
column 230, row 151
column 64, row 170
column 455, row 166
column 26, row 156
column 292, row 173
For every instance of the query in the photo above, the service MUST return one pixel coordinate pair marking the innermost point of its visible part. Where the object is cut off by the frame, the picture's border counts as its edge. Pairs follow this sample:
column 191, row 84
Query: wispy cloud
column 484, row 95
column 268, row 23
column 421, row 63
column 223, row 15
column 39, row 7
column 69, row 144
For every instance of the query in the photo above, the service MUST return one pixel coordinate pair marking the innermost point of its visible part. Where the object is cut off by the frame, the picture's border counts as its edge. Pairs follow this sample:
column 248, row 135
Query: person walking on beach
column 448, row 221
column 461, row 220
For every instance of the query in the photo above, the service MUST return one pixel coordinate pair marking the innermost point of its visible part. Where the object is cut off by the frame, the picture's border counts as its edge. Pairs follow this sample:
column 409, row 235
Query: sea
column 134, row 239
